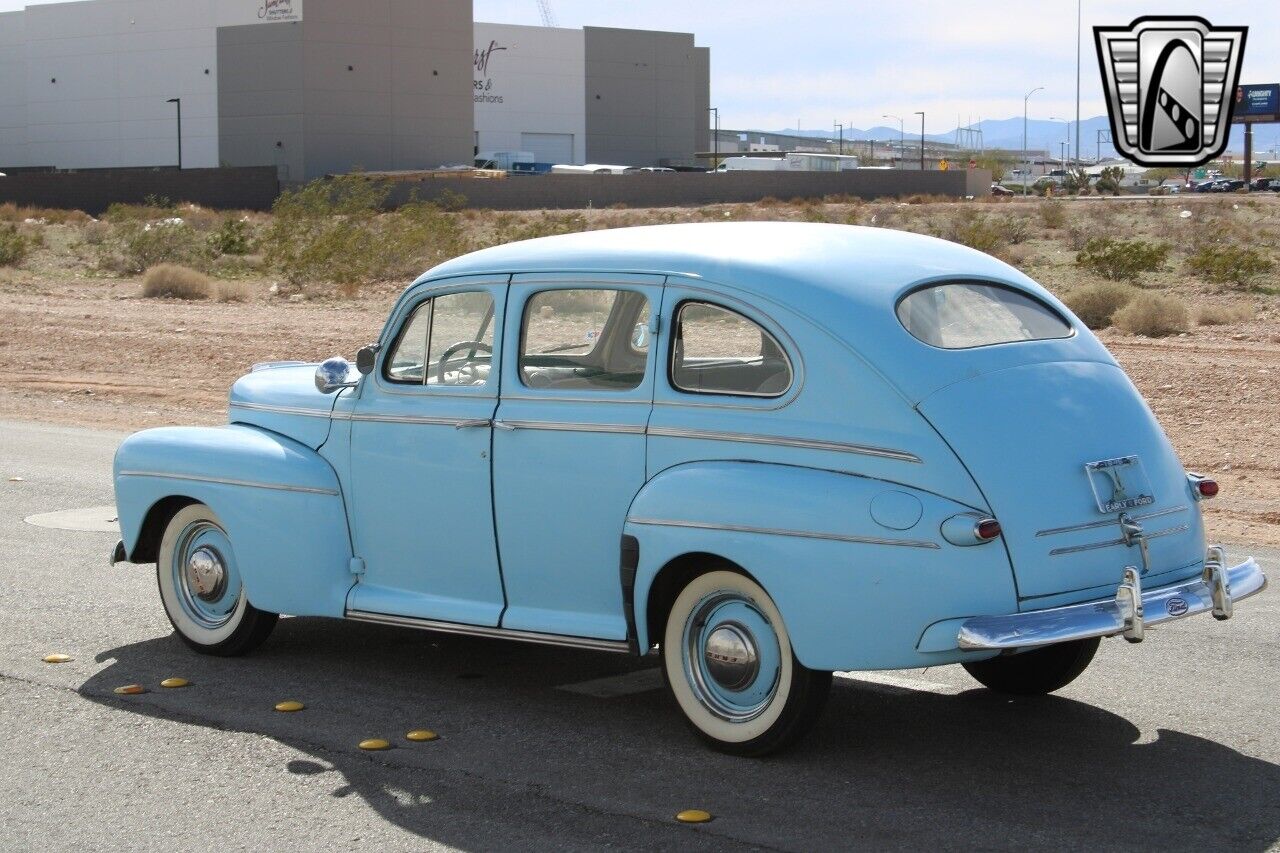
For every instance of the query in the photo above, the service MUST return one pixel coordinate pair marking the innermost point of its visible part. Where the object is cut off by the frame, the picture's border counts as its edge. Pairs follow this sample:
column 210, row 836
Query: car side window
column 448, row 340
column 718, row 351
column 584, row 339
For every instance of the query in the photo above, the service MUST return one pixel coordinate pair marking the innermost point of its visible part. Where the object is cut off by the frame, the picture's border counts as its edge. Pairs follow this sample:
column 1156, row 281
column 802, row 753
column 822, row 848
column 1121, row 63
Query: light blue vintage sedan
column 769, row 451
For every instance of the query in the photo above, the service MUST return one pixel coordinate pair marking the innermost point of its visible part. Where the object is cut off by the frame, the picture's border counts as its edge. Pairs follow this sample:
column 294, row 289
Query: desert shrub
column 1053, row 214
column 1152, row 315
column 137, row 246
column 926, row 198
column 154, row 207
column 1223, row 315
column 1096, row 304
column 453, row 201
column 10, row 212
column 13, row 246
column 232, row 291
column 973, row 230
column 1232, row 265
column 769, row 202
column 1121, row 260
column 231, row 238
column 814, row 212
column 177, row 282
column 95, row 233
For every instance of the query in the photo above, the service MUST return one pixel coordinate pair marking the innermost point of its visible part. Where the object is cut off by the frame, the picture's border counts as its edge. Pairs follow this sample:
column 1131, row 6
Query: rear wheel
column 728, row 662
column 201, row 589
column 1036, row 672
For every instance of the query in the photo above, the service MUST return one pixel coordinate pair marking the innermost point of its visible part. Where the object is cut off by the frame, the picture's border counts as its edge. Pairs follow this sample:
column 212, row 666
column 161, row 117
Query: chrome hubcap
column 731, row 657
column 206, row 574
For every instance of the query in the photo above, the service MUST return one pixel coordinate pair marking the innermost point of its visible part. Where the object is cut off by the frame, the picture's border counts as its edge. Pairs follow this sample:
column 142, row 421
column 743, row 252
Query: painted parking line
column 640, row 681
column 896, row 681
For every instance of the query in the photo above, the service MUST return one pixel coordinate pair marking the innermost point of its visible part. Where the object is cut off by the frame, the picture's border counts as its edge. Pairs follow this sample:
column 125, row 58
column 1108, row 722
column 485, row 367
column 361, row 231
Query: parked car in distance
column 1265, row 184
column 997, row 189
column 768, row 451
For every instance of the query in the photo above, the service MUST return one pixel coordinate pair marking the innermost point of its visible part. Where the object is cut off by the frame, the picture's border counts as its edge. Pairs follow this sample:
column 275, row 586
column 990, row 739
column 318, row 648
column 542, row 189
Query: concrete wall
column 641, row 99
column 529, row 80
column 260, row 97
column 702, row 99
column 95, row 191
column 691, row 188
column 13, row 89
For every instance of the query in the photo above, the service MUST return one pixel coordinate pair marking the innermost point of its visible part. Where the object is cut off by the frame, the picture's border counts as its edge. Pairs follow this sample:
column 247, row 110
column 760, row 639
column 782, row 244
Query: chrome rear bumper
column 1129, row 613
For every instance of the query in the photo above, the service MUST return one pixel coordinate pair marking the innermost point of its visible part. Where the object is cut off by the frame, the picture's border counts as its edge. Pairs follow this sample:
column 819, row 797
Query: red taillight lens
column 1207, row 488
column 987, row 529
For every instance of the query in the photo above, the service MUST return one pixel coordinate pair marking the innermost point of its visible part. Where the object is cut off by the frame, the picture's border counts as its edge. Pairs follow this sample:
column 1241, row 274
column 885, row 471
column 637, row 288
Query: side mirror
column 640, row 336
column 334, row 374
column 365, row 359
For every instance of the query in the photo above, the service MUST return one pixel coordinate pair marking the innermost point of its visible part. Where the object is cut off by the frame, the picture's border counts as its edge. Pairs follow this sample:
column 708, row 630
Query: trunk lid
column 1028, row 435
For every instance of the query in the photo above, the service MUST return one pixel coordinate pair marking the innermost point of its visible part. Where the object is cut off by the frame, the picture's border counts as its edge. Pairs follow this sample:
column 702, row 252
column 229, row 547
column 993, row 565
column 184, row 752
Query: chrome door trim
column 618, row 646
column 1093, row 525
column 281, row 410
column 783, row 441
column 570, row 426
column 404, row 419
column 1092, row 546
column 774, row 531
column 226, row 481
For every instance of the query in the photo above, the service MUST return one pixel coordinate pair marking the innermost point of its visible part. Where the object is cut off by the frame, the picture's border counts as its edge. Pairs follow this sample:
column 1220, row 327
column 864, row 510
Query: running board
column 619, row 646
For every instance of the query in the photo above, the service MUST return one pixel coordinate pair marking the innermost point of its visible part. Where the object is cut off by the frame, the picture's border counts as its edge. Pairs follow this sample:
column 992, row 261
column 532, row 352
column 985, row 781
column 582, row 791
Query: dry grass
column 1153, row 315
column 233, row 291
column 10, row 212
column 177, row 282
column 1096, row 304
column 1217, row 314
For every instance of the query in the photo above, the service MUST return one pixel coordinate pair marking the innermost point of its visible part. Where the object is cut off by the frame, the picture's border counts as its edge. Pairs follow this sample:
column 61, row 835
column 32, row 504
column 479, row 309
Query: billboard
column 1254, row 102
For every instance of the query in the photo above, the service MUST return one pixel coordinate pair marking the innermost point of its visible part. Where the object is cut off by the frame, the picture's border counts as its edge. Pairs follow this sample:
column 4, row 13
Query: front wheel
column 728, row 662
column 201, row 589
column 1038, row 671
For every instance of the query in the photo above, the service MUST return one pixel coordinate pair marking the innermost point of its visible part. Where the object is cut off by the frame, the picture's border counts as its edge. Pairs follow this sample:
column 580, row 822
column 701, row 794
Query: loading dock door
column 549, row 147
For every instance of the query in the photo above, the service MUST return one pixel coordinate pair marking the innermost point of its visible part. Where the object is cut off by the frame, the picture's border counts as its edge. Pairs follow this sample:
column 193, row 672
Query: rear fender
column 857, row 567
column 279, row 500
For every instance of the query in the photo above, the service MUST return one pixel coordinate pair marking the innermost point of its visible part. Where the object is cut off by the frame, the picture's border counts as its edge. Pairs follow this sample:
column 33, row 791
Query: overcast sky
column 841, row 60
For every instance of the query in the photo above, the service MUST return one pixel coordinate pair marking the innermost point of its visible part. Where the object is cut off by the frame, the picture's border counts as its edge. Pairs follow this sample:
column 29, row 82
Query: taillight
column 987, row 529
column 1207, row 488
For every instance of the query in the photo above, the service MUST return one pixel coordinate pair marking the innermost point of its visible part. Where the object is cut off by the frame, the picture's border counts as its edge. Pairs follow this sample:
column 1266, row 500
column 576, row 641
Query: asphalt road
column 1171, row 744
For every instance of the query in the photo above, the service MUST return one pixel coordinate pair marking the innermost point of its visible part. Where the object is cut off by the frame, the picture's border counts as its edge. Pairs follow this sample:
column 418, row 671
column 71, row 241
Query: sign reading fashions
column 484, row 87
column 239, row 13
column 1169, row 83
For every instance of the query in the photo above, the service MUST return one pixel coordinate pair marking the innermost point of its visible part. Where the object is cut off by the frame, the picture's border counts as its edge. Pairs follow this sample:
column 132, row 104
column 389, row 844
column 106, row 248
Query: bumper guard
column 1128, row 614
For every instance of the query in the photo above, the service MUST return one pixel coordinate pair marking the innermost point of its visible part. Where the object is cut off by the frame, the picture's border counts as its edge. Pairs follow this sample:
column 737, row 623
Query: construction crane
column 548, row 17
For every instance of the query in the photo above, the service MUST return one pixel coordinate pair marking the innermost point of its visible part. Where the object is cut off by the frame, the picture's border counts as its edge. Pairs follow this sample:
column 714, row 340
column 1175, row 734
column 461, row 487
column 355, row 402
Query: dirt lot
column 88, row 348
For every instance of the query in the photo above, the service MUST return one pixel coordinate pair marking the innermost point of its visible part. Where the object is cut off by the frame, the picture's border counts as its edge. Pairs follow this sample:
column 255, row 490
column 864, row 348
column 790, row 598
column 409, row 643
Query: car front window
column 447, row 341
column 966, row 314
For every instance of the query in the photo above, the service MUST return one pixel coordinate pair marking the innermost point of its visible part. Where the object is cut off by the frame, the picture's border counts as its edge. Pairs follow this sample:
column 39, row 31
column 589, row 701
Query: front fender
column 280, row 501
column 857, row 566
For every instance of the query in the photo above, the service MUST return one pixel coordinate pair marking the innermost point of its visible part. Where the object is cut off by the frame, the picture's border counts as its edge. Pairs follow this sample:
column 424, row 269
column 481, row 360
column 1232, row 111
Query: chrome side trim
column 225, row 481
column 1074, row 549
column 1093, row 525
column 782, row 441
column 1214, row 591
column 567, row 426
column 771, row 531
column 619, row 646
column 402, row 419
column 280, row 410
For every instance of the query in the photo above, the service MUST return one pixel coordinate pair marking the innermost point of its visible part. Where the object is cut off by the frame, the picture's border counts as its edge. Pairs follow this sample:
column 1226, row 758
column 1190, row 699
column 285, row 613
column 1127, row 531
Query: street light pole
column 840, row 128
column 1027, row 167
column 902, row 139
column 178, row 101
column 921, row 139
column 1079, row 6
column 715, row 139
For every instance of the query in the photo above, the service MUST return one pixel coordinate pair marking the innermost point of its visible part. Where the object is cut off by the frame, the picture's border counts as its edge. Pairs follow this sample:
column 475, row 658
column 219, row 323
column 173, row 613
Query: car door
column 421, row 508
column 569, row 445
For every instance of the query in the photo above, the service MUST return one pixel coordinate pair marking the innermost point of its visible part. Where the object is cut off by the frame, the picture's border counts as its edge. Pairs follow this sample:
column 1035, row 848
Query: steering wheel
column 471, row 374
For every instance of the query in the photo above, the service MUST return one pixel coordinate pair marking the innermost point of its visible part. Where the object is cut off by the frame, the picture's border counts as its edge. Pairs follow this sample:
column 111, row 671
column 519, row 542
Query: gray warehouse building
column 334, row 86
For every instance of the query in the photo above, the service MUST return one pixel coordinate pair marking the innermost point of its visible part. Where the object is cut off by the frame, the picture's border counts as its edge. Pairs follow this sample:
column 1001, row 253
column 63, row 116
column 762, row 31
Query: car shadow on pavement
column 885, row 767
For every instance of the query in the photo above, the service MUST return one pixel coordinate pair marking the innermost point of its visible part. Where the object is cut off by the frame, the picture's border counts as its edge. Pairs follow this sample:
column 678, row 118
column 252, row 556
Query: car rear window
column 965, row 314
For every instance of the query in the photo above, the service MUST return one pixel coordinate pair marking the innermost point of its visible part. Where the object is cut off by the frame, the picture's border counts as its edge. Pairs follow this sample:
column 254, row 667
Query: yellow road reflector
column 58, row 658
column 175, row 682
column 421, row 735
column 375, row 743
column 693, row 816
column 289, row 706
column 131, row 689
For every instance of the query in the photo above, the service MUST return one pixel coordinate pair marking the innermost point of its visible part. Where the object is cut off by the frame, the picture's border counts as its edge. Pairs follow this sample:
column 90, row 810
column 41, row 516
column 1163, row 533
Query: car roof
column 846, row 279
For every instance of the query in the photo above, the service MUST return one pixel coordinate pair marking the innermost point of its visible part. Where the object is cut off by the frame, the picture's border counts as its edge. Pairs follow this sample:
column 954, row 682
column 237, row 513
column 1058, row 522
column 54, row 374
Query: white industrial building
column 334, row 86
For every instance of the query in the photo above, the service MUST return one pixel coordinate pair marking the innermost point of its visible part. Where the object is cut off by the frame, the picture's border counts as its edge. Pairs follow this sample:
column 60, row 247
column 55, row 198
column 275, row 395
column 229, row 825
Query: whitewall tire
column 729, row 665
column 201, row 588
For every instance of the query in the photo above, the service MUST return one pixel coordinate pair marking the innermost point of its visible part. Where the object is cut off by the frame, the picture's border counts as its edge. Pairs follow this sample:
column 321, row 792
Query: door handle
column 475, row 422
column 503, row 425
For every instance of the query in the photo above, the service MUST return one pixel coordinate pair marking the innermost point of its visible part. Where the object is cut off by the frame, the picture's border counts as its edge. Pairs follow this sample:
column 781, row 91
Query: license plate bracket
column 1119, row 484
